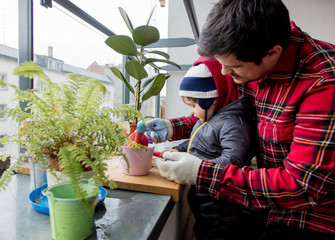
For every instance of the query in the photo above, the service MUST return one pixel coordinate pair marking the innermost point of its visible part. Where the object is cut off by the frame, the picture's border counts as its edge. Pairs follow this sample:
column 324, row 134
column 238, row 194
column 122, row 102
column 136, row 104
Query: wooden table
column 151, row 183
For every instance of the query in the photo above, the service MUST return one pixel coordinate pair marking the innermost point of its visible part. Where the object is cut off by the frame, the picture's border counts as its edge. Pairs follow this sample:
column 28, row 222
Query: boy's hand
column 182, row 167
column 158, row 130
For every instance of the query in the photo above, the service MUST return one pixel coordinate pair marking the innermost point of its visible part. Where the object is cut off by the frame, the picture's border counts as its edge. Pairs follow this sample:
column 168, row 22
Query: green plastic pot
column 69, row 219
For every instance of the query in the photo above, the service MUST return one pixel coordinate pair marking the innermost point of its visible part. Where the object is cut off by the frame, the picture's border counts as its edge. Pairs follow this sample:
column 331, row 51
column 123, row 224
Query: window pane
column 64, row 43
column 8, row 61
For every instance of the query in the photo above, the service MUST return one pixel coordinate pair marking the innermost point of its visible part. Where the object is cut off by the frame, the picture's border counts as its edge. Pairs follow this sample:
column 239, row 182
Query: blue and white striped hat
column 199, row 83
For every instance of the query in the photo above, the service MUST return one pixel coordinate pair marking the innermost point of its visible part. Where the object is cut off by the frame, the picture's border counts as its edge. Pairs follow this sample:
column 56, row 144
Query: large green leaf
column 145, row 35
column 126, row 19
column 154, row 88
column 151, row 60
column 120, row 76
column 148, row 80
column 122, row 44
column 135, row 69
column 163, row 54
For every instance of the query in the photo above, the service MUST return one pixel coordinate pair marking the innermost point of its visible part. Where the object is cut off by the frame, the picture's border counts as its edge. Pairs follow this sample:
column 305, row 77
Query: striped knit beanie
column 199, row 83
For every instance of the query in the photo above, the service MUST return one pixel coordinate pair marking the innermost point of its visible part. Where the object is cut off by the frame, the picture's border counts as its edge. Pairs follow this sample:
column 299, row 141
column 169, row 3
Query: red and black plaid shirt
column 295, row 177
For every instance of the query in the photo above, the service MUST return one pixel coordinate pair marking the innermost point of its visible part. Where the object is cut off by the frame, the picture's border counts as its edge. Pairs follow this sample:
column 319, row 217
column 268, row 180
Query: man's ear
column 273, row 55
column 276, row 51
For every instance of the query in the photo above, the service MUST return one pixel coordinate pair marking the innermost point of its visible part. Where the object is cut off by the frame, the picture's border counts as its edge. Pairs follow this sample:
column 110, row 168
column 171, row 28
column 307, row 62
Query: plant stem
column 137, row 100
column 138, row 87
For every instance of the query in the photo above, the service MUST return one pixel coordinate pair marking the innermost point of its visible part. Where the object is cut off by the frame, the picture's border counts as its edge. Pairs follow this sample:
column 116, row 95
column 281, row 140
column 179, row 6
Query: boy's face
column 197, row 111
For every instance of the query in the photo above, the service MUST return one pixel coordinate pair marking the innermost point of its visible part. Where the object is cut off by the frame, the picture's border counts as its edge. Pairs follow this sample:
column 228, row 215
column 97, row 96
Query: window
column 2, row 146
column 3, row 78
column 2, row 107
column 39, row 86
column 107, row 96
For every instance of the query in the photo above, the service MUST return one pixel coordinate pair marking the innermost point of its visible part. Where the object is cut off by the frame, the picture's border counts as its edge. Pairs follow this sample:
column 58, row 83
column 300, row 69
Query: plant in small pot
column 65, row 124
column 138, row 59
column 138, row 153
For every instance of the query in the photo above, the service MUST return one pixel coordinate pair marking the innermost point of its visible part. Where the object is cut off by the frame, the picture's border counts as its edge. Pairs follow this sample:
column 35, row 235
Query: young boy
column 221, row 135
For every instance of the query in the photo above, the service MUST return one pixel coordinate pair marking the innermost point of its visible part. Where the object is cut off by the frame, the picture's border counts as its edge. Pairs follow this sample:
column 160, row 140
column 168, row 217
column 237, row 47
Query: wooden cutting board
column 151, row 183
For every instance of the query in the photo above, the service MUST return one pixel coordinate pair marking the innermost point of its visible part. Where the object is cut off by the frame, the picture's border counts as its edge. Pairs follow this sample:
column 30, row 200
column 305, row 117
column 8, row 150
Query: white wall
column 317, row 18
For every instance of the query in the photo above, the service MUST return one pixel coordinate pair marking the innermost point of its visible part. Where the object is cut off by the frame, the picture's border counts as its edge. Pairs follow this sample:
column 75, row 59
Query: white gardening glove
column 180, row 167
column 159, row 130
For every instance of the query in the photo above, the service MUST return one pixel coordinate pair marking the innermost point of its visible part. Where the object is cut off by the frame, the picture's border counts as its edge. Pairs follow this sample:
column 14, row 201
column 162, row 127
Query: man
column 291, row 79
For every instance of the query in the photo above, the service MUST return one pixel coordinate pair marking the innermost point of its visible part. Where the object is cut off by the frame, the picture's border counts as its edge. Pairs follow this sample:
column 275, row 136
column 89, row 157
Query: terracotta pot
column 132, row 127
column 140, row 160
column 54, row 164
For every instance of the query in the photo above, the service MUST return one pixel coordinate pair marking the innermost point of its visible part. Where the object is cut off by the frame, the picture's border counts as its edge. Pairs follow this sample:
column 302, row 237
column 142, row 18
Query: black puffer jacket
column 229, row 137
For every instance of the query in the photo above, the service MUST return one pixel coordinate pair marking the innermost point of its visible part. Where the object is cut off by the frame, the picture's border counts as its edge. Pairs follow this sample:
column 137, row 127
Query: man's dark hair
column 245, row 28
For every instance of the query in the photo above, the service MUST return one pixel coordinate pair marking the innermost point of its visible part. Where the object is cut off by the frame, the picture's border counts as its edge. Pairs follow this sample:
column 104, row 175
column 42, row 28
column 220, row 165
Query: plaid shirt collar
column 286, row 65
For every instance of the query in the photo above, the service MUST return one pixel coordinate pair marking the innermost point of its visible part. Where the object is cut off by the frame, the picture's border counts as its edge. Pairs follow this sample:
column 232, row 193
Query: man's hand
column 159, row 130
column 181, row 167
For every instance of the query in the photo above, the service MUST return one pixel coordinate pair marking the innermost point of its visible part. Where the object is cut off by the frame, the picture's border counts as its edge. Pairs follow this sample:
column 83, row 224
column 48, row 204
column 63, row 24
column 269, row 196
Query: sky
column 76, row 42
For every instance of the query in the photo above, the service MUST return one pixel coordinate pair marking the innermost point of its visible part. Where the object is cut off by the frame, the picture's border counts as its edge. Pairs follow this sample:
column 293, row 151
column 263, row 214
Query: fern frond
column 89, row 97
column 125, row 111
column 15, row 113
column 70, row 90
column 6, row 175
column 70, row 163
column 30, row 70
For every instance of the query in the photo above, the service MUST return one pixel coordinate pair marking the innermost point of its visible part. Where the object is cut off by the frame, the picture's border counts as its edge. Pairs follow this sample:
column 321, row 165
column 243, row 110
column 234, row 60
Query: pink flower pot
column 139, row 161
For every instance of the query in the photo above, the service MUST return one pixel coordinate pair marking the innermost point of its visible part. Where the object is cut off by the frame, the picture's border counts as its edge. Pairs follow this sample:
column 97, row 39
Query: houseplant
column 64, row 124
column 136, row 66
column 138, row 58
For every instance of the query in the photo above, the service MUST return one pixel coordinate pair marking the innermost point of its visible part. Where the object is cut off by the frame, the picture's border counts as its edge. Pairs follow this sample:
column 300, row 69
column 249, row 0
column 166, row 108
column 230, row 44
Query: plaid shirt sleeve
column 182, row 127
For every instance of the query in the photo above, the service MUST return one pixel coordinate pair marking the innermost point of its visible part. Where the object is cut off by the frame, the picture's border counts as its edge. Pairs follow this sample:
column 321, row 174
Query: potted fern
column 138, row 58
column 66, row 126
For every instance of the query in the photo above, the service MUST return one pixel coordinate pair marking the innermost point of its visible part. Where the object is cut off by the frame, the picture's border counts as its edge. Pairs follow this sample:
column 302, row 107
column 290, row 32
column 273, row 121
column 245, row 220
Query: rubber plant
column 66, row 123
column 138, row 57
